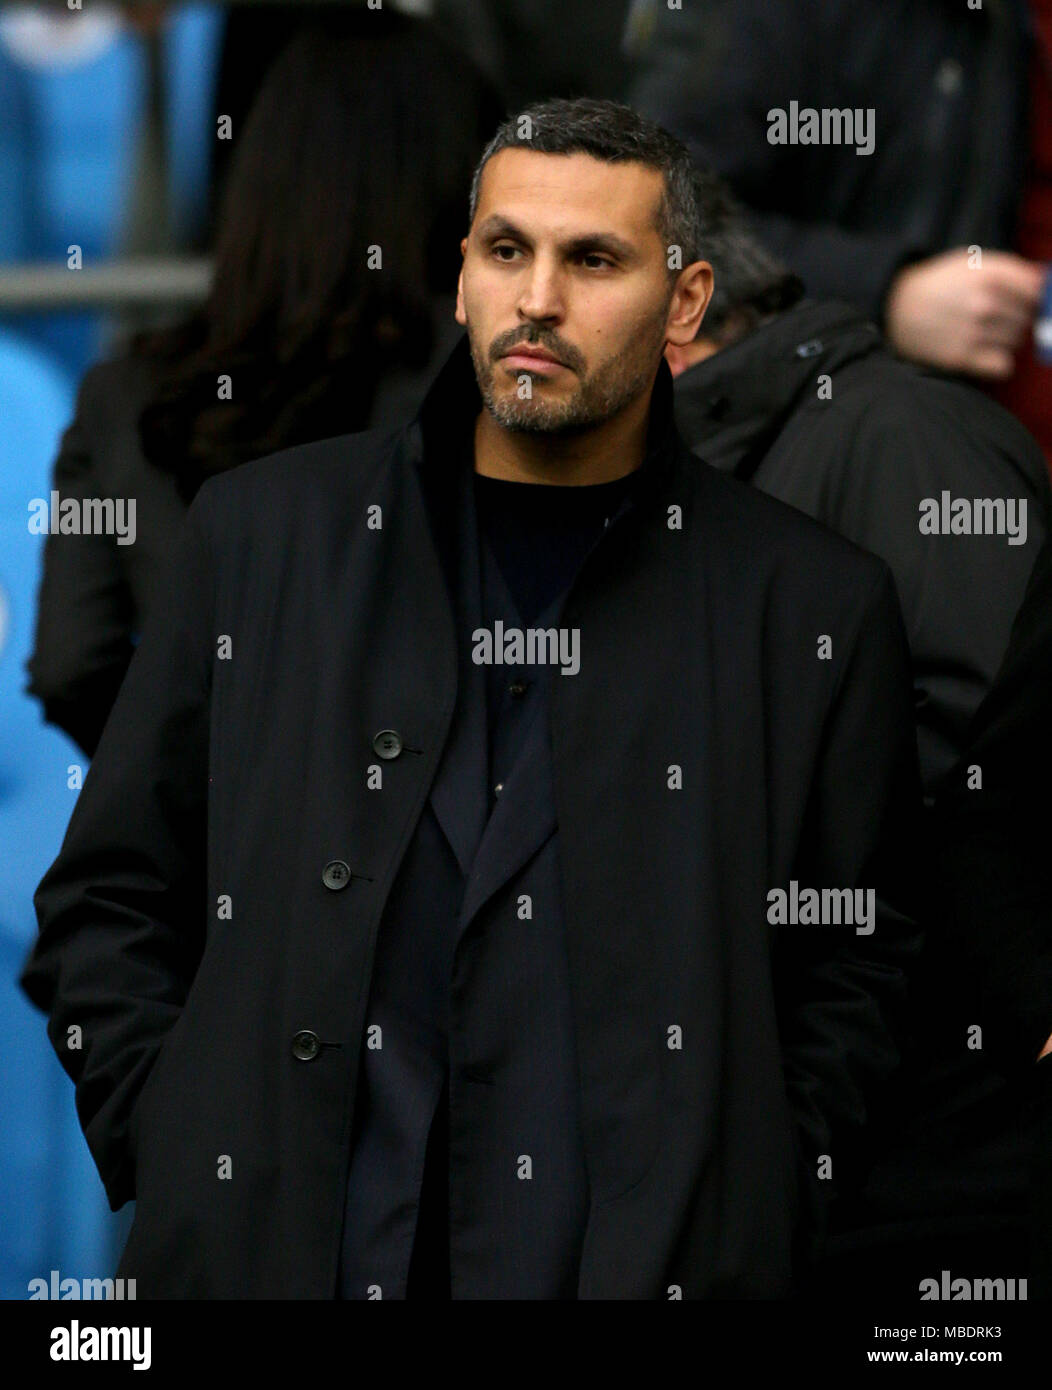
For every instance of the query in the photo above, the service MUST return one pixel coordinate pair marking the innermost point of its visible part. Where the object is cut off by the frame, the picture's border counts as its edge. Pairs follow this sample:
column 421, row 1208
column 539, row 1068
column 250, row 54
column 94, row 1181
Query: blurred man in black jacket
column 804, row 400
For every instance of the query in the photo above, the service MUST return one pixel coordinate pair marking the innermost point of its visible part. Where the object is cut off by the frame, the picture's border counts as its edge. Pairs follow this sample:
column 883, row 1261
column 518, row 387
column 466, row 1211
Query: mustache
column 505, row 345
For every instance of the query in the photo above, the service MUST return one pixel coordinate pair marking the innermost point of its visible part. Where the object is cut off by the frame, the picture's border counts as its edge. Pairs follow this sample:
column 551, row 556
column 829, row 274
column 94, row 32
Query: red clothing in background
column 1028, row 394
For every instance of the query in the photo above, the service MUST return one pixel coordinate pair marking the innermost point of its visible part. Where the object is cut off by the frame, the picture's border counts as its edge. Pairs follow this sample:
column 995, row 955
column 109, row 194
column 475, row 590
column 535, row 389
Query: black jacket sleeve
column 842, row 995
column 120, row 908
column 84, row 621
column 993, row 840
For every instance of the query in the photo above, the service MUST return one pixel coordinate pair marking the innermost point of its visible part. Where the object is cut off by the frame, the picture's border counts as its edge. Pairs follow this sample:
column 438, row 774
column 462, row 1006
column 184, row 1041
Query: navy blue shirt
column 540, row 532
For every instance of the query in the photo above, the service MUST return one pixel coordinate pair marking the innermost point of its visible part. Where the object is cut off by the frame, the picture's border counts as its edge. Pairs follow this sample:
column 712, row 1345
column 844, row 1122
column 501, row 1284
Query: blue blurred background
column 76, row 101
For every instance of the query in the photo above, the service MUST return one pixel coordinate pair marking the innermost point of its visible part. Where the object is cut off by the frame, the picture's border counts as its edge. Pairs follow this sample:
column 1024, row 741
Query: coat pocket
column 149, row 1088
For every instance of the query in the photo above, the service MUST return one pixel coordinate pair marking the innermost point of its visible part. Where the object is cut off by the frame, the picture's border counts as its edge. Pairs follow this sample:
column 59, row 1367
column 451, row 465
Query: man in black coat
column 494, row 878
column 804, row 400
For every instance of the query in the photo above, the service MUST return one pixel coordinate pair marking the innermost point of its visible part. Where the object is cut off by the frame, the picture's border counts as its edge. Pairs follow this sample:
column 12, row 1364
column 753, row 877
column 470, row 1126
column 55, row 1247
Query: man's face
column 564, row 254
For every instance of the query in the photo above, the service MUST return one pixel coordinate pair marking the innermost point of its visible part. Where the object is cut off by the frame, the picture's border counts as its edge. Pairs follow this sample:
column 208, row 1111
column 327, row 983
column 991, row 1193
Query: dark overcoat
column 741, row 718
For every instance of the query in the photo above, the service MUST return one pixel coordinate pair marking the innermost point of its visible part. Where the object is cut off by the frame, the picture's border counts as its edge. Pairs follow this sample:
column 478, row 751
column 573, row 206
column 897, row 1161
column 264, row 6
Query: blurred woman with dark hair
column 336, row 260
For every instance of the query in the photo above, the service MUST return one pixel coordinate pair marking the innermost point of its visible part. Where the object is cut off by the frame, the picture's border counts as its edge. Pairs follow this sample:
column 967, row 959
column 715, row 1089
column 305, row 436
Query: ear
column 460, row 315
column 689, row 301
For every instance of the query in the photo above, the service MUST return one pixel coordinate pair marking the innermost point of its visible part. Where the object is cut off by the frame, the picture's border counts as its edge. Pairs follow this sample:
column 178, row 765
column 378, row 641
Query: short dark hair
column 750, row 283
column 614, row 133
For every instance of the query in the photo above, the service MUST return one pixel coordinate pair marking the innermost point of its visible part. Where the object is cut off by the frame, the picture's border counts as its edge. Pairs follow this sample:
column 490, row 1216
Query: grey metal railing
column 130, row 283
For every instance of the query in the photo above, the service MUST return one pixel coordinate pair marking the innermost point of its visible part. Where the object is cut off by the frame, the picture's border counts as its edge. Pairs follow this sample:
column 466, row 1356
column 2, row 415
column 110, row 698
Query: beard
column 595, row 399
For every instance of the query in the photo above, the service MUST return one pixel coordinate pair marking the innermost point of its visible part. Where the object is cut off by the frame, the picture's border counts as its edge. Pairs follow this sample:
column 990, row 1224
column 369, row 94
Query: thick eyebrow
column 495, row 226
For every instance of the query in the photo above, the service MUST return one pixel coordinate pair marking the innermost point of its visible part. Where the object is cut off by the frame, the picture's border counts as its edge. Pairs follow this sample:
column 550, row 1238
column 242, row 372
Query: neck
column 600, row 455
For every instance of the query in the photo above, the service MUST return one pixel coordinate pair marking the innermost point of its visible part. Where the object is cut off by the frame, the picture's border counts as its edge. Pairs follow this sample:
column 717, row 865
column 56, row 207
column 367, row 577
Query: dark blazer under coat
column 245, row 775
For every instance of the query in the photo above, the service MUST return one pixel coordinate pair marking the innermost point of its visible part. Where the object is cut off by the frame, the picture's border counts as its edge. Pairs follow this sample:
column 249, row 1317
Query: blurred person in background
column 535, row 49
column 528, row 49
column 954, row 105
column 358, row 147
column 803, row 399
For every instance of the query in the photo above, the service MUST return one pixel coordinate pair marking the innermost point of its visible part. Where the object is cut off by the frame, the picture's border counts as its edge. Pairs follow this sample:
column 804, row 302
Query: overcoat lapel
column 491, row 845
column 640, row 708
column 459, row 793
column 523, row 816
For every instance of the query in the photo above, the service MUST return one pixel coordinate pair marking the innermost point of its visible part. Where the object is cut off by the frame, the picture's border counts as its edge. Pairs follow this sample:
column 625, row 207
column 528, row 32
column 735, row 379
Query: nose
column 541, row 294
